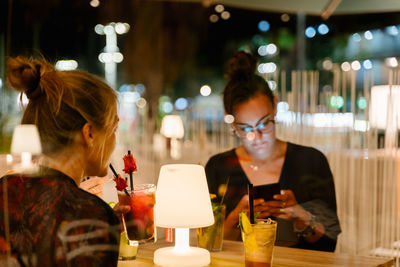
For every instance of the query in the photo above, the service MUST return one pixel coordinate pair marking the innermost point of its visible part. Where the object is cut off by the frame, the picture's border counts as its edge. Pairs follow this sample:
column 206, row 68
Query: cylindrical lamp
column 26, row 141
column 182, row 202
column 172, row 127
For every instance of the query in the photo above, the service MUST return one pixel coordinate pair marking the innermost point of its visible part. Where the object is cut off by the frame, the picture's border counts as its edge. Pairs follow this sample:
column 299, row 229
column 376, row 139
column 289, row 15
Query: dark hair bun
column 24, row 75
column 241, row 67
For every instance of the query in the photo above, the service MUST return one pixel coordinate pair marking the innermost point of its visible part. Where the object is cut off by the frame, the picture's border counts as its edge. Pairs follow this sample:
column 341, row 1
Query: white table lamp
column 385, row 107
column 172, row 127
column 182, row 202
column 26, row 141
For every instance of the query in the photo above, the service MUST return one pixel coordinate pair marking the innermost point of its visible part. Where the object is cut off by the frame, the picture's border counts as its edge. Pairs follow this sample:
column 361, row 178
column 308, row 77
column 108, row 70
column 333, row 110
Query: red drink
column 140, row 219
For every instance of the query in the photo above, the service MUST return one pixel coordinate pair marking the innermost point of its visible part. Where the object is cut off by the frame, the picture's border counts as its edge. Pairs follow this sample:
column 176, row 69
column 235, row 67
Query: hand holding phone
column 267, row 191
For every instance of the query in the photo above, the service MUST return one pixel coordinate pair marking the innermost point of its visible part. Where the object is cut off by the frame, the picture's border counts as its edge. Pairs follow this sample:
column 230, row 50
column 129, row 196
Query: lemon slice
column 112, row 204
column 244, row 223
column 249, row 237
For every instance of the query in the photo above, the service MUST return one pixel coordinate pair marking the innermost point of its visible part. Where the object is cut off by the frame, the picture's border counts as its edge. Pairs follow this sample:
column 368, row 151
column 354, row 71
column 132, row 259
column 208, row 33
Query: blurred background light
column 391, row 62
column 22, row 101
column 345, row 66
column 225, row 15
column 94, row 3
column 121, row 28
column 272, row 85
column 219, row 8
column 229, row 118
column 362, row 103
column 141, row 103
column 285, row 17
column 66, row 64
column 310, row 32
column 214, row 18
column 99, row 29
column 167, row 107
column 181, row 103
column 264, row 26
column 271, row 49
column 368, row 35
column 323, row 29
column 327, row 64
column 336, row 102
column 392, row 30
column 205, row 90
column 262, row 50
column 355, row 65
column 140, row 88
column 367, row 64
column 356, row 37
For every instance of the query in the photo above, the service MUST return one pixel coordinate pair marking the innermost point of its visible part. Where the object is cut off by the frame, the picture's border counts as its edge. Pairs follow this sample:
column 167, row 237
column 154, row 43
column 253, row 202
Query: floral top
column 52, row 222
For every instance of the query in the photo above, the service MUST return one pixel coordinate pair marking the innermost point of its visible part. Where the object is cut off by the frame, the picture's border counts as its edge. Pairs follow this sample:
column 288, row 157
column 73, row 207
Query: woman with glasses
column 294, row 183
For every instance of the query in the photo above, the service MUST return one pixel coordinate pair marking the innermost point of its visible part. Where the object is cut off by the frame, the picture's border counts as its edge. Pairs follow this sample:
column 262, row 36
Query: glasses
column 264, row 125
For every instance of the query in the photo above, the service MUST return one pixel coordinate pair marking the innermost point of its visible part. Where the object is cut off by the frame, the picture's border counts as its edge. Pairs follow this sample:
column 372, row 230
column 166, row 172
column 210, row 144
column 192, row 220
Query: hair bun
column 24, row 75
column 241, row 66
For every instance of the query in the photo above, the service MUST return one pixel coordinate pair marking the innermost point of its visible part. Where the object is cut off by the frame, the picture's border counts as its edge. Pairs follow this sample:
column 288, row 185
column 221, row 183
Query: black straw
column 130, row 174
column 251, row 203
column 116, row 176
column 113, row 170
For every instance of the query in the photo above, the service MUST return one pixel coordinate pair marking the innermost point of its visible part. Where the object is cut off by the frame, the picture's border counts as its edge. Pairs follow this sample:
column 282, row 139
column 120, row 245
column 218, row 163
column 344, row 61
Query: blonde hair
column 61, row 102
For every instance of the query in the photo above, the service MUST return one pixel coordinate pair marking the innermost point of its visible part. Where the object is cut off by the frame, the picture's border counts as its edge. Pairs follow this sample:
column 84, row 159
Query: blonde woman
column 51, row 221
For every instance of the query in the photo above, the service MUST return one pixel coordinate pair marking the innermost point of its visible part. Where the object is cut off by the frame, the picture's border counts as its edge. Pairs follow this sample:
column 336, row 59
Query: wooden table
column 232, row 255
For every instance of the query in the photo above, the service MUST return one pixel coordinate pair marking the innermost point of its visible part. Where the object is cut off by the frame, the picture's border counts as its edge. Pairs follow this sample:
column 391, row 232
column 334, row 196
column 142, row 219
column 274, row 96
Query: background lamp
column 172, row 127
column 26, row 141
column 182, row 202
column 385, row 106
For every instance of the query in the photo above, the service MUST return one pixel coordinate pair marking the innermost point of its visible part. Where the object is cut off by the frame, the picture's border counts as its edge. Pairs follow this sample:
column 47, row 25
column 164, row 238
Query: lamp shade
column 385, row 106
column 182, row 197
column 172, row 126
column 26, row 139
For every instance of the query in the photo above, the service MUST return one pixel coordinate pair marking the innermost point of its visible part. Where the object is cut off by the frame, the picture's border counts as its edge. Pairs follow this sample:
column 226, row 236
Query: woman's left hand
column 289, row 208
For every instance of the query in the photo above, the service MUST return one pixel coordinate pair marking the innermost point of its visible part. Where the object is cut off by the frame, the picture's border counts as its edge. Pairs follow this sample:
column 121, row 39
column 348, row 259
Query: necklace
column 253, row 167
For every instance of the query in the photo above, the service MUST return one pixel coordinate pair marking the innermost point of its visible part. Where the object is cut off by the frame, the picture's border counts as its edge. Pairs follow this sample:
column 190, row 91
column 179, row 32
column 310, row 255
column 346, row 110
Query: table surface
column 232, row 254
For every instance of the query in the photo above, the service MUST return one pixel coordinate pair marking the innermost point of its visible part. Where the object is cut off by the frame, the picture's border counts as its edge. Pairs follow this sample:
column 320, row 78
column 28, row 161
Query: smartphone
column 267, row 191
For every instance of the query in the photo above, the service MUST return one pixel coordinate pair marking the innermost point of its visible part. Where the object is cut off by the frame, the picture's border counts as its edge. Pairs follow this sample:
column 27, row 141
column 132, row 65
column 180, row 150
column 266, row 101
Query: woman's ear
column 87, row 134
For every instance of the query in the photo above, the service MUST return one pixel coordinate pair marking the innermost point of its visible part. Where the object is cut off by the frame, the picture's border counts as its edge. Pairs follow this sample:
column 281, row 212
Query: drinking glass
column 259, row 243
column 211, row 237
column 138, row 223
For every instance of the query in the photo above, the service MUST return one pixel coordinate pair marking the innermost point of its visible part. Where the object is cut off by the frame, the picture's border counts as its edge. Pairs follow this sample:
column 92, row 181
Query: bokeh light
column 355, row 65
column 327, row 64
column 345, row 66
column 94, row 3
column 285, row 17
column 225, row 15
column 271, row 49
column 181, row 103
column 219, row 8
column 229, row 118
column 140, row 88
column 141, row 103
column 214, row 18
column 392, row 30
column 310, row 32
column 205, row 90
column 367, row 64
column 356, row 37
column 66, row 64
column 368, row 35
column 336, row 102
column 99, row 29
column 167, row 107
column 262, row 50
column 362, row 103
column 272, row 85
column 323, row 29
column 264, row 26
column 392, row 62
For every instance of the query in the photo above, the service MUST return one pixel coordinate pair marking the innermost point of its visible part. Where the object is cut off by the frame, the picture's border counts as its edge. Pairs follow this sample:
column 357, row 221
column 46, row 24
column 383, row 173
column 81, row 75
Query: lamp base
column 170, row 257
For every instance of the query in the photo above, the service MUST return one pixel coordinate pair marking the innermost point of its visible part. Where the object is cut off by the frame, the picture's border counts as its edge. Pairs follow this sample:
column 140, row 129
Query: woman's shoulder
column 223, row 158
column 304, row 151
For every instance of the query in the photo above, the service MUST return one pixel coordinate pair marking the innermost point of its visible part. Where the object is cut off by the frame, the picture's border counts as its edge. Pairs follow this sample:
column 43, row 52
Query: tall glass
column 259, row 243
column 140, row 219
column 211, row 237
